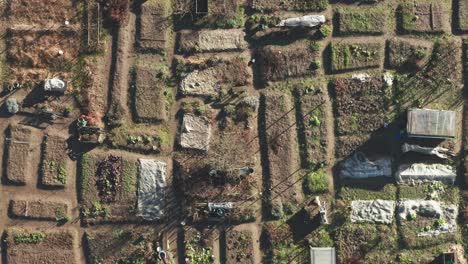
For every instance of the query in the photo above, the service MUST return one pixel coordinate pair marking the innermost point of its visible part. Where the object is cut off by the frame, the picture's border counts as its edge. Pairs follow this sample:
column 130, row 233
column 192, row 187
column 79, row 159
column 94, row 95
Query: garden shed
column 428, row 123
column 322, row 255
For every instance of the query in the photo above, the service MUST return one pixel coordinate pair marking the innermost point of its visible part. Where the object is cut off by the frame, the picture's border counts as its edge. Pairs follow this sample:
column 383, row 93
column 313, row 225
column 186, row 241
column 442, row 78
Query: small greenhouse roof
column 430, row 123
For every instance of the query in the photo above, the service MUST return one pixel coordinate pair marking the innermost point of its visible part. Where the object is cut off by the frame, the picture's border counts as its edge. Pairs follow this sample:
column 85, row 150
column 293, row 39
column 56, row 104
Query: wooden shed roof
column 431, row 123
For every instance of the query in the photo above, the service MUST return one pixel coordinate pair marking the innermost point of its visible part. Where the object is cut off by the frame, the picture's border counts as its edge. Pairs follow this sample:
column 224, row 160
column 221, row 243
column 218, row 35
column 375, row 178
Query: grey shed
column 322, row 255
column 428, row 123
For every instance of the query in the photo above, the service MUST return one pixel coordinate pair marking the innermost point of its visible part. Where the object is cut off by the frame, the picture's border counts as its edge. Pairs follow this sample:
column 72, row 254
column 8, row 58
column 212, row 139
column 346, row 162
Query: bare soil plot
column 360, row 109
column 190, row 41
column 107, row 187
column 55, row 168
column 355, row 56
column 154, row 26
column 312, row 124
column 143, row 138
column 362, row 21
column 462, row 15
column 239, row 247
column 218, row 176
column 18, row 154
column 199, row 244
column 279, row 245
column 437, row 85
column 372, row 243
column 29, row 48
column 291, row 5
column 122, row 244
column 407, row 53
column 423, row 17
column 149, row 96
column 28, row 246
column 44, row 12
column 40, row 210
column 274, row 63
column 277, row 127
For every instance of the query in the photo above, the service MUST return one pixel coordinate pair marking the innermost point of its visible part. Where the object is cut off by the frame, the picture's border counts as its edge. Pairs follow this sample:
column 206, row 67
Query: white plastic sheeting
column 359, row 167
column 304, row 21
column 151, row 189
column 373, row 211
column 420, row 172
column 196, row 132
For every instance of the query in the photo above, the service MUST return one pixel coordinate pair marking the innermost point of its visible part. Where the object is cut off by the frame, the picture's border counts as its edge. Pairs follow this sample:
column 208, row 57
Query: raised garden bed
column 54, row 168
column 107, row 188
column 239, row 247
column 429, row 17
column 362, row 21
column 26, row 11
column 406, row 54
column 142, row 138
column 28, row 246
column 18, row 153
column 462, row 15
column 360, row 107
column 199, row 244
column 29, row 48
column 292, row 5
column 190, row 41
column 40, row 210
column 354, row 56
column 274, row 63
column 150, row 102
column 136, row 244
column 154, row 25
column 280, row 246
column 277, row 126
column 411, row 229
column 312, row 124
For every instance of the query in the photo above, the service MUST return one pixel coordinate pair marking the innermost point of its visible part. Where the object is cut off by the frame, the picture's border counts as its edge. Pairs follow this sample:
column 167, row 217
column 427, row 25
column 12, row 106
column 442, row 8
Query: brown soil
column 18, row 165
column 40, row 48
column 40, row 210
column 279, row 62
column 55, row 167
column 150, row 100
column 278, row 150
column 154, row 26
column 43, row 12
column 239, row 247
column 56, row 247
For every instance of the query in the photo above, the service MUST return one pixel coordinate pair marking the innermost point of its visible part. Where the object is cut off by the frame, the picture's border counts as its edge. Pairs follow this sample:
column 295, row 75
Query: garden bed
column 142, row 138
column 462, row 15
column 410, row 229
column 51, row 11
column 227, row 182
column 135, row 244
column 429, row 17
column 28, row 246
column 239, row 247
column 39, row 210
column 372, row 243
column 154, row 26
column 278, row 126
column 190, row 41
column 28, row 48
column 274, row 63
column 150, row 95
column 362, row 21
column 407, row 54
column 280, row 247
column 107, row 188
column 54, row 168
column 18, row 154
column 312, row 124
column 355, row 56
column 199, row 244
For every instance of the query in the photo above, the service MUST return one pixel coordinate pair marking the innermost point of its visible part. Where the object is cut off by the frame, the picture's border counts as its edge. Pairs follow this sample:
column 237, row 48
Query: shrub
column 325, row 31
column 32, row 238
column 277, row 211
column 315, row 65
column 316, row 182
column 314, row 46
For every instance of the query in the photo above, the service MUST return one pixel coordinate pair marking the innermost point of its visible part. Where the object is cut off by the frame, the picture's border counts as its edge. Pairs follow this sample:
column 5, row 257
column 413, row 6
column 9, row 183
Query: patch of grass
column 316, row 182
column 237, row 21
column 32, row 238
column 367, row 190
column 62, row 174
column 87, row 167
column 129, row 178
column 349, row 56
column 371, row 21
column 447, row 194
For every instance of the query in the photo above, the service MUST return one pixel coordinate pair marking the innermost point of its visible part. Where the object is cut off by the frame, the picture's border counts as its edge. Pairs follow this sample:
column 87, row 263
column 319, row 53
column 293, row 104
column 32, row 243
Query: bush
column 316, row 182
column 315, row 65
column 325, row 31
column 32, row 238
column 277, row 211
